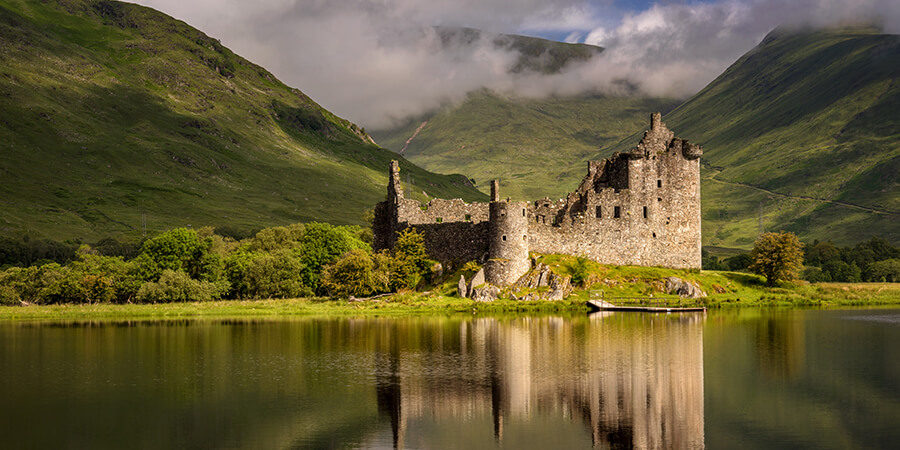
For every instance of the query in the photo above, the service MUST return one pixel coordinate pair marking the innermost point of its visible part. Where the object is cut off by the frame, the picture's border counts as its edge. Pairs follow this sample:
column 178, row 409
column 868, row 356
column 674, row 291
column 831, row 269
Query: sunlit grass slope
column 803, row 130
column 111, row 113
column 536, row 147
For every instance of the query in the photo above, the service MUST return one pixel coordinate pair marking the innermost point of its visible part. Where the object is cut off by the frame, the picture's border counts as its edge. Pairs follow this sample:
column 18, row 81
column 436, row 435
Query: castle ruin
column 640, row 207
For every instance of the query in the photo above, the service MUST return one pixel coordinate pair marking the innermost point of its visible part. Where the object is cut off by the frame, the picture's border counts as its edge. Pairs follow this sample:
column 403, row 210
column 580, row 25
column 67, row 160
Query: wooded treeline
column 300, row 260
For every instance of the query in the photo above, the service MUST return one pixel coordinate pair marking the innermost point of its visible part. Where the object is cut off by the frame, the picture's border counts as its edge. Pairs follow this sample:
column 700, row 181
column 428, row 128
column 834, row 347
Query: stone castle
column 641, row 207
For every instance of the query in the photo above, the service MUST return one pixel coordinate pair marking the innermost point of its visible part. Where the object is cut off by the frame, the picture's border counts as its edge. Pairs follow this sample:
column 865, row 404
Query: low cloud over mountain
column 378, row 61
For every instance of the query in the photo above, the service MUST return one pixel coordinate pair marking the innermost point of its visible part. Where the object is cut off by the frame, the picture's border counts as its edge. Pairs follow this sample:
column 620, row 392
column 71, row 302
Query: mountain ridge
column 113, row 116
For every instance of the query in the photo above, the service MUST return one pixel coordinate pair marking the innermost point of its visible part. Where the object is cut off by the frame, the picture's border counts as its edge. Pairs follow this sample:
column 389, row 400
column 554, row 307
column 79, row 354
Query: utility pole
column 760, row 227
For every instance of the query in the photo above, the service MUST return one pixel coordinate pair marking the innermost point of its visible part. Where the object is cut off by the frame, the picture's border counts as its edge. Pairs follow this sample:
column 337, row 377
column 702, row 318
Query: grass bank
column 742, row 290
column 398, row 305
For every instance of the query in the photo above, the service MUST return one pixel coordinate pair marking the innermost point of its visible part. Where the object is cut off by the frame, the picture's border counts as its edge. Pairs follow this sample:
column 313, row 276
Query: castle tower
column 395, row 188
column 508, row 240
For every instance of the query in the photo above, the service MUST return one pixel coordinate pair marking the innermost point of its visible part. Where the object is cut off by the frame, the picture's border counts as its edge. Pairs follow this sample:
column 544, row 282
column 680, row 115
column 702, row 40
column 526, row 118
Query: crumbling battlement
column 640, row 207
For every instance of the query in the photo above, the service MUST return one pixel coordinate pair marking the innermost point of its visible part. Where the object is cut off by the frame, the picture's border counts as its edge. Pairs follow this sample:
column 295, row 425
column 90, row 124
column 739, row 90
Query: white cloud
column 375, row 61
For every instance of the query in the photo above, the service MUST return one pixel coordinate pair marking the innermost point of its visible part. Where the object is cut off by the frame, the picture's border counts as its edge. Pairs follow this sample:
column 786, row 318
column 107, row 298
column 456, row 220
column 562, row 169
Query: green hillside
column 537, row 147
column 112, row 114
column 804, row 130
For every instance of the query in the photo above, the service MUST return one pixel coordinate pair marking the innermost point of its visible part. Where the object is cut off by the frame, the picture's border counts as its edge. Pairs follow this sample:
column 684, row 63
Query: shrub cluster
column 872, row 260
column 183, row 264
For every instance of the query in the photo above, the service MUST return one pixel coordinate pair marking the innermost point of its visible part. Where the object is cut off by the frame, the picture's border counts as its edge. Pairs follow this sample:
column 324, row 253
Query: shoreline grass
column 821, row 295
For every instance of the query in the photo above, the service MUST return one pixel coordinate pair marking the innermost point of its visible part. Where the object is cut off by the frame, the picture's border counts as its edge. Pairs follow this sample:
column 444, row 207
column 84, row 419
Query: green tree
column 276, row 238
column 887, row 270
column 777, row 256
column 411, row 263
column 177, row 249
column 352, row 274
column 322, row 244
column 841, row 271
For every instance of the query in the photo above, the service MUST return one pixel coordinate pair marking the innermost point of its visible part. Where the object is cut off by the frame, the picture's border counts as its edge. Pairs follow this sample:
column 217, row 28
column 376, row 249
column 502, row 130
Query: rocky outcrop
column 541, row 276
column 485, row 293
column 477, row 280
column 682, row 288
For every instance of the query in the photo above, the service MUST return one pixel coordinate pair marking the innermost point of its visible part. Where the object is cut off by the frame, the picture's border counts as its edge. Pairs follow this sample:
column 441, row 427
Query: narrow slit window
column 659, row 183
column 523, row 212
column 617, row 212
column 504, row 237
column 645, row 212
column 599, row 212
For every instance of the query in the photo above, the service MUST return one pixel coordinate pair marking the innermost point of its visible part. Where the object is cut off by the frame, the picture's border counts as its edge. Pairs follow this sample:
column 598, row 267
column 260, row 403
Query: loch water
column 745, row 378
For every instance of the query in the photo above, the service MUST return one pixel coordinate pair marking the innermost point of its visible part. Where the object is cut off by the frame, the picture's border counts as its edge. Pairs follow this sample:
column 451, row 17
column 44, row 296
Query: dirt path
column 804, row 197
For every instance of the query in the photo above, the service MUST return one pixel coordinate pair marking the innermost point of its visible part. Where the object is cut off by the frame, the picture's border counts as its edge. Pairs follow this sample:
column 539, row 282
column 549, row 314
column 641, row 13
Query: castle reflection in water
column 619, row 380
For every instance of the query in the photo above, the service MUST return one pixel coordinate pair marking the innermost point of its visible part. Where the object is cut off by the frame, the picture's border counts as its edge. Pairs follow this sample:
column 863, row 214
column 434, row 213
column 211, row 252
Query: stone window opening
column 439, row 219
column 504, row 237
column 617, row 212
column 654, row 235
column 524, row 237
column 468, row 217
column 659, row 199
column 645, row 212
column 659, row 183
column 599, row 212
column 523, row 212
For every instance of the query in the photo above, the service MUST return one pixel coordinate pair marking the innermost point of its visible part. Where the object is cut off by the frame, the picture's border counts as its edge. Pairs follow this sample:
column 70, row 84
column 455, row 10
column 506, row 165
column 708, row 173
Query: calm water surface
column 745, row 379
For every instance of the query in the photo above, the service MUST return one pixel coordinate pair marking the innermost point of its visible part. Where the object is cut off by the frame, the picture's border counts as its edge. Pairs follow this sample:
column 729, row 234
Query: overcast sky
column 377, row 62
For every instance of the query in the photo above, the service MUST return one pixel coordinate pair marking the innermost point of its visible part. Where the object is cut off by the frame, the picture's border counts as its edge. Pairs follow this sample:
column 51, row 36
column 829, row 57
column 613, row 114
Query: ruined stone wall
column 455, row 231
column 637, row 208
column 640, row 207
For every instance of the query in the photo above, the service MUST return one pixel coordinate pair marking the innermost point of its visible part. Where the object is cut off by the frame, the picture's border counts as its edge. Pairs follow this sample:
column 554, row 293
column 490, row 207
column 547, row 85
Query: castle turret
column 508, row 240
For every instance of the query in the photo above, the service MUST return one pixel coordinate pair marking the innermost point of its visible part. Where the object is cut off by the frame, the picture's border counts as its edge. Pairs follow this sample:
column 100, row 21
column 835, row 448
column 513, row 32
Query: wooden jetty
column 642, row 304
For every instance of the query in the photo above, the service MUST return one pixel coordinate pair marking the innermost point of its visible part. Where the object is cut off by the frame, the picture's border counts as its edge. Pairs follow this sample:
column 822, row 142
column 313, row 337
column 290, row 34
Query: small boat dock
column 643, row 304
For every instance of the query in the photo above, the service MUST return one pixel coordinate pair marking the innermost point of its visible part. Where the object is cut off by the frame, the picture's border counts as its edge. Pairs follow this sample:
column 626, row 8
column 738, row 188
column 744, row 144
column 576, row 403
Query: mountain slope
column 537, row 147
column 534, row 54
column 804, row 131
column 112, row 115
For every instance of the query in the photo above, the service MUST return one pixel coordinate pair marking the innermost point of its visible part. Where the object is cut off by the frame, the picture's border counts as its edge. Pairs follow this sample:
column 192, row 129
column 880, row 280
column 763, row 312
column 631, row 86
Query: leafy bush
column 178, row 249
column 176, row 286
column 887, row 270
column 353, row 274
column 275, row 275
column 411, row 264
column 322, row 244
column 9, row 296
column 841, row 271
column 815, row 274
column 276, row 238
column 266, row 275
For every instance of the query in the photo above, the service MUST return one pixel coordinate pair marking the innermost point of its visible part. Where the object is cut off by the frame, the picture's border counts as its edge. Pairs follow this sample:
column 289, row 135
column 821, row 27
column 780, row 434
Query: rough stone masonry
column 640, row 207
